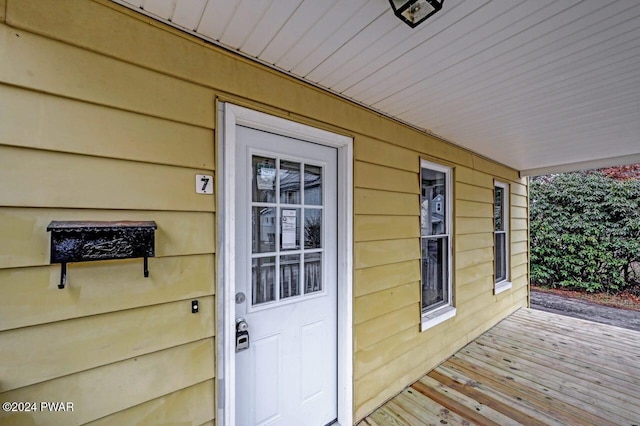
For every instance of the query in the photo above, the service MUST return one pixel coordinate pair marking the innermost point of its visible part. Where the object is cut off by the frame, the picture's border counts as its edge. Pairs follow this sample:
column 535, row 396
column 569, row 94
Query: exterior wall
column 107, row 115
column 390, row 350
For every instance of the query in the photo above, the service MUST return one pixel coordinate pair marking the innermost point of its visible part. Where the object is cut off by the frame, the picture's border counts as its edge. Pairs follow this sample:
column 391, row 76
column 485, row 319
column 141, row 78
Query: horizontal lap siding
column 57, row 179
column 87, row 137
column 390, row 349
column 143, row 126
column 105, row 131
column 121, row 385
column 193, row 403
column 519, row 233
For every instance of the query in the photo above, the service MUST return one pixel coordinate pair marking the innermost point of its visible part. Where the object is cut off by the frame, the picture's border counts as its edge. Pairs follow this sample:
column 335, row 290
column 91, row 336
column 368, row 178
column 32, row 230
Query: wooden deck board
column 555, row 376
column 611, row 356
column 533, row 368
column 518, row 348
column 559, row 403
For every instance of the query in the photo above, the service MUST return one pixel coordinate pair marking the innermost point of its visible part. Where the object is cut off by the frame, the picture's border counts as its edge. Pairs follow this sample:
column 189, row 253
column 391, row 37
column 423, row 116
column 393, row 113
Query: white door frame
column 229, row 117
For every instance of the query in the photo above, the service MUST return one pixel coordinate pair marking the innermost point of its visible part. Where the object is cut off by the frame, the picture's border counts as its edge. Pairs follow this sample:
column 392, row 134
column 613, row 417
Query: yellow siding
column 367, row 201
column 99, row 287
column 473, row 209
column 87, row 76
column 370, row 228
column 377, row 152
column 374, row 253
column 375, row 304
column 156, row 327
column 474, row 273
column 386, row 276
column 466, row 242
column 389, row 351
column 115, row 128
column 468, row 192
column 473, row 257
column 519, row 259
column 26, row 245
column 193, row 403
column 84, row 136
column 519, row 224
column 118, row 386
column 473, row 225
column 473, row 177
column 71, row 180
column 474, row 290
column 37, row 120
column 384, row 178
column 388, row 324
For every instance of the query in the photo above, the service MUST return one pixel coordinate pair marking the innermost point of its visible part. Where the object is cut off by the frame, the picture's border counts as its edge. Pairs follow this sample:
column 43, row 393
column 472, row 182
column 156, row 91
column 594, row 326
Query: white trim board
column 231, row 116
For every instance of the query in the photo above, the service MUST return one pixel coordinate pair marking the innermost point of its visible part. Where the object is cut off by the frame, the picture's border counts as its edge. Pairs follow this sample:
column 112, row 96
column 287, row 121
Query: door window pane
column 264, row 179
column 287, row 222
column 435, row 288
column 312, row 185
column 289, row 182
column 263, row 235
column 263, row 278
column 289, row 276
column 312, row 228
column 312, row 272
column 290, row 229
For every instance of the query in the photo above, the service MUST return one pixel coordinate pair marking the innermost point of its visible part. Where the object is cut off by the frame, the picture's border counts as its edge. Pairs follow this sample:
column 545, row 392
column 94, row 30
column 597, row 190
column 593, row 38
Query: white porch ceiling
column 539, row 85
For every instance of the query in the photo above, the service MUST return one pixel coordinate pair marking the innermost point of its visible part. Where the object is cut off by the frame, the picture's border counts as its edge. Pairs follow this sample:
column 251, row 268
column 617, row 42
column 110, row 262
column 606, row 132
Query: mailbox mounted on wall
column 79, row 241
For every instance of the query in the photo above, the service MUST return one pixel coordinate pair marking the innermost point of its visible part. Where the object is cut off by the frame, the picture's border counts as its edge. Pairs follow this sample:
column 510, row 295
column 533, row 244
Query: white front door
column 286, row 280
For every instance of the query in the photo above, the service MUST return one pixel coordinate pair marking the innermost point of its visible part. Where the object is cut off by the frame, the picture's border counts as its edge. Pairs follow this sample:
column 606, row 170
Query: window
column 501, row 236
column 435, row 236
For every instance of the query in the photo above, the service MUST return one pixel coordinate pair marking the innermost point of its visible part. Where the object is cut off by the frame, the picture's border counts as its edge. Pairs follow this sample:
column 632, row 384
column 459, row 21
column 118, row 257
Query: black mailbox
column 80, row 241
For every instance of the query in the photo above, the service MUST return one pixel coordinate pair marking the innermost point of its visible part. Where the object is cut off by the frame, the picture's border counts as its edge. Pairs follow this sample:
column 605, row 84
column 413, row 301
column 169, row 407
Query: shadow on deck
column 533, row 368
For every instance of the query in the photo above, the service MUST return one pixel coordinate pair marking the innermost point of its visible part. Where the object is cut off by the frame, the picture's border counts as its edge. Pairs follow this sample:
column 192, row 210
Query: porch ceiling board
column 544, row 85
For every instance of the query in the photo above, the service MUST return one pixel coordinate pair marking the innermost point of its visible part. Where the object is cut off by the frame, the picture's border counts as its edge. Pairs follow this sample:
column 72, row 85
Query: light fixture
column 413, row 12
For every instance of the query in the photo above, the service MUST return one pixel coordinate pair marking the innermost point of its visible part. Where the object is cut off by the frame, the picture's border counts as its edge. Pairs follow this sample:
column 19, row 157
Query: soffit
column 544, row 85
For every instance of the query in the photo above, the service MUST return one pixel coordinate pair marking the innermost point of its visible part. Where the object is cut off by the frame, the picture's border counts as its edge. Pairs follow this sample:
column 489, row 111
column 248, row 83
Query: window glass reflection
column 312, row 185
column 312, row 272
column 289, row 182
column 434, row 272
column 312, row 228
column 263, row 274
column 263, row 234
column 263, row 179
column 289, row 276
column 289, row 229
column 433, row 202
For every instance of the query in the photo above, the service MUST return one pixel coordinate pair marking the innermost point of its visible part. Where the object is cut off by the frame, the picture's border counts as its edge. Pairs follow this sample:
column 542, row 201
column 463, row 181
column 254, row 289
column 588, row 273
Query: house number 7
column 205, row 181
column 204, row 184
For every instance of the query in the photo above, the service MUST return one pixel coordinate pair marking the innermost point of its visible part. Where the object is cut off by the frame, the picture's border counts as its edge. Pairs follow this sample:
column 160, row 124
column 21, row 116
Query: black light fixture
column 413, row 12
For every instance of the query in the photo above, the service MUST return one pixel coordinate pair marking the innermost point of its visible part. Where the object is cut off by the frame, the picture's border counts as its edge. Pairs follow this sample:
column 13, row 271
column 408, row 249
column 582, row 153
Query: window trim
column 446, row 311
column 505, row 284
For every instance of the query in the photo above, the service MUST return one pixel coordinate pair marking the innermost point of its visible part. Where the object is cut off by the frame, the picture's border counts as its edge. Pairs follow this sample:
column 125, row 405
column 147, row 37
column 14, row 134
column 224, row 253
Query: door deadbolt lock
column 242, row 335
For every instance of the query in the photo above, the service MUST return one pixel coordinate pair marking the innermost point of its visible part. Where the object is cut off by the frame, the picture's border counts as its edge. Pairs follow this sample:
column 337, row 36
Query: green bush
column 585, row 231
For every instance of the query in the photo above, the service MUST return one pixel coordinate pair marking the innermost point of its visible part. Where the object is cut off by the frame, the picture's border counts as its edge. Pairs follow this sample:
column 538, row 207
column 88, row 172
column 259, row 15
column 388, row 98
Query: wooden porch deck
column 533, row 368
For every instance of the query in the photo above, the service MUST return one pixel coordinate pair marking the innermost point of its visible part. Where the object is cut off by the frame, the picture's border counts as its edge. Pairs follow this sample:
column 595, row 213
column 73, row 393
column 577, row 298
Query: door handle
column 242, row 335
